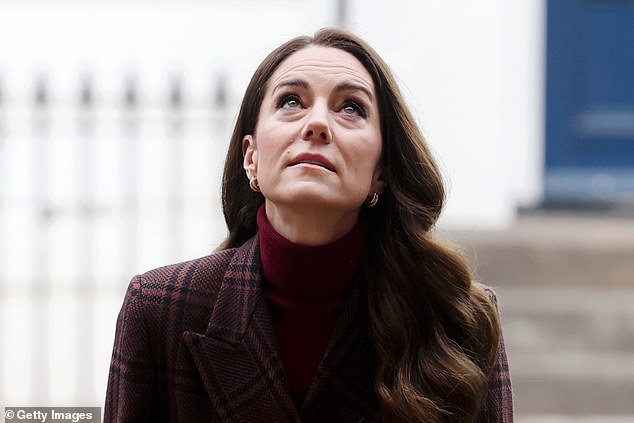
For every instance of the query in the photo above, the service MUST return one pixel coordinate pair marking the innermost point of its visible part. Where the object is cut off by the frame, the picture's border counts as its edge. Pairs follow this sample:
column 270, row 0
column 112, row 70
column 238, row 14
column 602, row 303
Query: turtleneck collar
column 308, row 271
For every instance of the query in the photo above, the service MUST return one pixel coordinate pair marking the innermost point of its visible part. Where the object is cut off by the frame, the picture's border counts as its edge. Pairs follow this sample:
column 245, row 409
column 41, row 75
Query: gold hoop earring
column 371, row 201
column 253, row 183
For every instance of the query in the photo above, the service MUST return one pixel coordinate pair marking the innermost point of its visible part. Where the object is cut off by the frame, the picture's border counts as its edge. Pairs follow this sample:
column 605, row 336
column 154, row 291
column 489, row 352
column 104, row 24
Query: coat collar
column 239, row 363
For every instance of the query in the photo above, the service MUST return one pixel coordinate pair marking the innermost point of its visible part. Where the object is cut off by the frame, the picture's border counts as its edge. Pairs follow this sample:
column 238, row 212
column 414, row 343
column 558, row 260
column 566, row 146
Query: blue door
column 590, row 101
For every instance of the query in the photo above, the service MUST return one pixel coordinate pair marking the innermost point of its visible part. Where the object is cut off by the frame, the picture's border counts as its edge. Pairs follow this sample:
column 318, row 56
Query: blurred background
column 115, row 118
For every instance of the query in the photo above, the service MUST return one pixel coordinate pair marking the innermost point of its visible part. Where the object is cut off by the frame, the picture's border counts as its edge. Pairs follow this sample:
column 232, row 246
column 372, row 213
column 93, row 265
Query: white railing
column 91, row 193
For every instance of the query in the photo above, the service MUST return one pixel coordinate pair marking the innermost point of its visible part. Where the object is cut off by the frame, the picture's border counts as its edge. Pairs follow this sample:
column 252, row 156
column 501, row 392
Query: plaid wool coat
column 195, row 343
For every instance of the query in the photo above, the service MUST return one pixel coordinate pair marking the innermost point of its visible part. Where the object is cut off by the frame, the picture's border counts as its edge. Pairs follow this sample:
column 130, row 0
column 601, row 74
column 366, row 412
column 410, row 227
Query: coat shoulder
column 179, row 290
column 192, row 274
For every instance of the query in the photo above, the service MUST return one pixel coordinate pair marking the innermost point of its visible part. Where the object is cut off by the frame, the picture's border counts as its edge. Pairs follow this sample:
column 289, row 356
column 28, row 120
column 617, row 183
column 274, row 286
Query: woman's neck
column 310, row 225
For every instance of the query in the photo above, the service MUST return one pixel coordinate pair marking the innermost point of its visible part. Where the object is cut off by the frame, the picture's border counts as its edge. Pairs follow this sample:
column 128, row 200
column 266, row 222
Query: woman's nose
column 317, row 127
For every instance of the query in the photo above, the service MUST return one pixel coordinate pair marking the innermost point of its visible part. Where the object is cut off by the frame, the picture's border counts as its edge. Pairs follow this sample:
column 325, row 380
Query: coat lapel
column 239, row 362
column 237, row 356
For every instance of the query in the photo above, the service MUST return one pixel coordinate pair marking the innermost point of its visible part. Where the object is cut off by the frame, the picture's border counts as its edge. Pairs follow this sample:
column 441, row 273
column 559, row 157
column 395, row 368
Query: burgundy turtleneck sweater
column 306, row 287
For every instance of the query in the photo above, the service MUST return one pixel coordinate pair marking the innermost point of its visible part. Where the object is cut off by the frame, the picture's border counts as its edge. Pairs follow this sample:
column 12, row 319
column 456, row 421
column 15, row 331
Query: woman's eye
column 289, row 101
column 353, row 108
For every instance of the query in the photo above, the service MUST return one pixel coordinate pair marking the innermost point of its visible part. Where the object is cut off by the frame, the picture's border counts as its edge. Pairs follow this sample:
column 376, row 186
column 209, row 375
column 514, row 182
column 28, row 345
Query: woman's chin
column 312, row 197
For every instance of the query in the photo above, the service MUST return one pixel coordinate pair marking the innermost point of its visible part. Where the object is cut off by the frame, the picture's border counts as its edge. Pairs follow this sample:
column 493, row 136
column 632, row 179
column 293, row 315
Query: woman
column 329, row 301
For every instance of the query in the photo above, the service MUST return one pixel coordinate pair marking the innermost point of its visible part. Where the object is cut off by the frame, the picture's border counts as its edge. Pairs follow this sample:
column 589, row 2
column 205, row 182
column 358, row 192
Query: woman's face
column 317, row 142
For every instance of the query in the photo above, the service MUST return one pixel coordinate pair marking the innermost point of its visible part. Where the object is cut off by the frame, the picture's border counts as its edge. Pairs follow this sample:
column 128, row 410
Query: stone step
column 557, row 418
column 573, row 366
column 571, row 351
column 573, row 396
column 566, row 290
column 552, row 250
column 567, row 320
column 574, row 382
column 521, row 265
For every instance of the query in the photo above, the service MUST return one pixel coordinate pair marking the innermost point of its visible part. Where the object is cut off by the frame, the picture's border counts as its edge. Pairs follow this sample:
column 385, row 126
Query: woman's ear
column 250, row 154
column 378, row 180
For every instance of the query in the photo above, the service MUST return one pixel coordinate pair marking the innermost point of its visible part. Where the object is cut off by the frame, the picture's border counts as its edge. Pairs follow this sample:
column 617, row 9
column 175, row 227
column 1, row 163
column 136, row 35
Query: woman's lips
column 313, row 159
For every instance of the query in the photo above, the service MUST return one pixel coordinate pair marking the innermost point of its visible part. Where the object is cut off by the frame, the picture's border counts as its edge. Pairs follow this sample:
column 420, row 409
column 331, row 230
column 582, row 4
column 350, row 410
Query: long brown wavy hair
column 435, row 331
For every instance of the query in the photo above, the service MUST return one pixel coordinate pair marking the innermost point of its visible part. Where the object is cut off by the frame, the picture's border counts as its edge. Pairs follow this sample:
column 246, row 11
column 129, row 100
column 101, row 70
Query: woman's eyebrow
column 351, row 86
column 342, row 86
column 295, row 82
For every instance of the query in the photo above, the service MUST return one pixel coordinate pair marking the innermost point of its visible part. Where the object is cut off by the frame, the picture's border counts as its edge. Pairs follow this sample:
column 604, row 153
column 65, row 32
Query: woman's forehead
column 322, row 62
